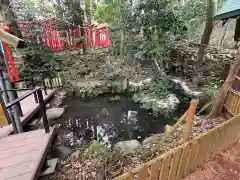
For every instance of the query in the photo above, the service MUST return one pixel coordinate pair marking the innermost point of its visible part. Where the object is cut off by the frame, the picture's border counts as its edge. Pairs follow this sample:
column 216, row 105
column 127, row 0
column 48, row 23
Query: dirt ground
column 225, row 166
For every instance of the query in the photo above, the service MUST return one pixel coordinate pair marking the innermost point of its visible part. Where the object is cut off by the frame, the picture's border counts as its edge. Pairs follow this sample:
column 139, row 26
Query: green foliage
column 156, row 22
column 157, row 89
column 39, row 60
column 159, row 86
column 211, row 89
column 109, row 11
column 96, row 147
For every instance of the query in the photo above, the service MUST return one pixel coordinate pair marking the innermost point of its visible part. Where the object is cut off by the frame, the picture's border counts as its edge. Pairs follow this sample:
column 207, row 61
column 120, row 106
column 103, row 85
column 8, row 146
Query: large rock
column 120, row 84
column 139, row 84
column 97, row 147
column 127, row 145
column 169, row 102
column 181, row 88
column 152, row 139
column 54, row 113
column 62, row 152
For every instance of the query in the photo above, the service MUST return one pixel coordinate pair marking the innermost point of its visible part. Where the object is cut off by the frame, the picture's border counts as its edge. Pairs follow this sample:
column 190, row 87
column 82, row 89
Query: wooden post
column 189, row 122
column 17, row 120
column 43, row 111
column 17, row 106
column 44, row 85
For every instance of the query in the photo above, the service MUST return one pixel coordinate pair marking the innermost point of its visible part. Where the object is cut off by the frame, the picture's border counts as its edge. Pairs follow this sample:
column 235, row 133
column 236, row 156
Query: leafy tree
column 158, row 23
column 108, row 11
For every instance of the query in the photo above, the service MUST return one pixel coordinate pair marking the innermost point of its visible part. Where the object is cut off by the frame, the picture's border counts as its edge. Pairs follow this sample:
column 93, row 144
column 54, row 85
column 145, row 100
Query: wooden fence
column 186, row 158
column 54, row 82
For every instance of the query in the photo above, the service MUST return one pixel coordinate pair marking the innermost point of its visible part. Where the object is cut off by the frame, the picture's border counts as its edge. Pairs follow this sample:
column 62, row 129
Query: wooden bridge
column 23, row 153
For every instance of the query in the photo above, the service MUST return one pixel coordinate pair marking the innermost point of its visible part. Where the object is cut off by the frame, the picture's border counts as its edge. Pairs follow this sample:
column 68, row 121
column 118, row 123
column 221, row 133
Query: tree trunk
column 78, row 19
column 211, row 11
column 220, row 99
column 122, row 44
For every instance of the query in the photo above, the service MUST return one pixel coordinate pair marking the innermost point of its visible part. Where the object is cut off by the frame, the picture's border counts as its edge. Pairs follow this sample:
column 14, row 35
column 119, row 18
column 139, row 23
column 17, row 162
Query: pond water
column 107, row 120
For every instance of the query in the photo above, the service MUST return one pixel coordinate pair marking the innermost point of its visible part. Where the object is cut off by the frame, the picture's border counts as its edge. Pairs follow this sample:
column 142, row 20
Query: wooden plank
column 155, row 169
column 24, row 162
column 174, row 164
column 143, row 173
column 236, row 104
column 212, row 143
column 165, row 167
column 183, row 160
column 190, row 165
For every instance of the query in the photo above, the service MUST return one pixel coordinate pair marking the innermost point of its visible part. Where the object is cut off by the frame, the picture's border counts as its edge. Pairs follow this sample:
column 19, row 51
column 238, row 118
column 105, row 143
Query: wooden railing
column 185, row 159
column 16, row 122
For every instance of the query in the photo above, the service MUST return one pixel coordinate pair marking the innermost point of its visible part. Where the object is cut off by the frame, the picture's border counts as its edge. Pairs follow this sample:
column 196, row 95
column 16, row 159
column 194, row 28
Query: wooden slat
column 212, row 142
column 238, row 106
column 143, row 173
column 190, row 165
column 230, row 101
column 155, row 170
column 174, row 164
column 184, row 159
column 201, row 151
column 235, row 104
column 165, row 167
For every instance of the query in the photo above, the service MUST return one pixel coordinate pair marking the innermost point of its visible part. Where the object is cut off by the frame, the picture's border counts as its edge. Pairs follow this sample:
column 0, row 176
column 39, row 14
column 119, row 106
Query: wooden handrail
column 17, row 124
column 10, row 104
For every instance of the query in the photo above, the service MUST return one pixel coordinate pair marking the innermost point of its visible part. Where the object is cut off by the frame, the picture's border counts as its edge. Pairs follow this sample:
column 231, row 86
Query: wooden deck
column 22, row 155
column 29, row 109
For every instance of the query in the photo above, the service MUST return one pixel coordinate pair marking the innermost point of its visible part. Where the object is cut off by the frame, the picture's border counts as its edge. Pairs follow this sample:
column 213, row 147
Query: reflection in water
column 108, row 121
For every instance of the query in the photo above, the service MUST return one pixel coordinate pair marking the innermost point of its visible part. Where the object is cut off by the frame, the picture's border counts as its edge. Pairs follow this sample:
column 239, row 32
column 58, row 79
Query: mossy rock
column 97, row 147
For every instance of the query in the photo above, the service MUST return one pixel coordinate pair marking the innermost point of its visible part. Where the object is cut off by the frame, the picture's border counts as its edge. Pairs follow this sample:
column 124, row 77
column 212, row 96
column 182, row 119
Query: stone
column 129, row 145
column 114, row 98
column 96, row 147
column 120, row 85
column 51, row 166
column 183, row 89
column 62, row 152
column 170, row 102
column 54, row 113
column 152, row 139
column 140, row 83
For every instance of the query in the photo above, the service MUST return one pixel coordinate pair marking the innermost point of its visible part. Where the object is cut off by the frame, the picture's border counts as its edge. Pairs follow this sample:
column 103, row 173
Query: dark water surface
column 109, row 121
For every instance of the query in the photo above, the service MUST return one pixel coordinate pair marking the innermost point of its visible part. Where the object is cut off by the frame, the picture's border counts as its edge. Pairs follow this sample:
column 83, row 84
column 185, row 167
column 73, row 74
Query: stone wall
column 183, row 57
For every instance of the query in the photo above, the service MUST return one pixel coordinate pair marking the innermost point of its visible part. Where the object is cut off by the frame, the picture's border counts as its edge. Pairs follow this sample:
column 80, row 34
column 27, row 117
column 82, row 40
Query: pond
column 108, row 118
